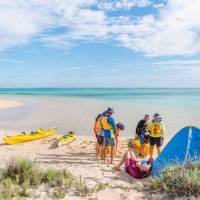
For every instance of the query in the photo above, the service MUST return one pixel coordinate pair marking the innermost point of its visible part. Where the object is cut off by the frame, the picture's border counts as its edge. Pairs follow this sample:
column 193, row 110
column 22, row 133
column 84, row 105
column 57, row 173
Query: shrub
column 58, row 193
column 81, row 189
column 22, row 171
column 21, row 176
column 179, row 181
column 100, row 186
column 57, row 178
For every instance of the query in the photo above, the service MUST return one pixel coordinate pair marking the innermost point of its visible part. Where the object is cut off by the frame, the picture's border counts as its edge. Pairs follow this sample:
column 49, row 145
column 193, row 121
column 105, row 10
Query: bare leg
column 117, row 145
column 158, row 150
column 101, row 151
column 124, row 157
column 151, row 151
column 97, row 149
column 104, row 153
column 142, row 149
column 111, row 155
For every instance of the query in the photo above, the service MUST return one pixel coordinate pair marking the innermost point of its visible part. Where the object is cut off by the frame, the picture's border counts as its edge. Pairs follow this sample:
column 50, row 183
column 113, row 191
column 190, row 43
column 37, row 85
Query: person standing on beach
column 119, row 127
column 99, row 136
column 108, row 125
column 140, row 132
column 157, row 133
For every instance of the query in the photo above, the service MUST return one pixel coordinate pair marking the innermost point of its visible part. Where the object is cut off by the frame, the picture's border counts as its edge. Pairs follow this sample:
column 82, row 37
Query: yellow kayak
column 25, row 137
column 137, row 146
column 66, row 139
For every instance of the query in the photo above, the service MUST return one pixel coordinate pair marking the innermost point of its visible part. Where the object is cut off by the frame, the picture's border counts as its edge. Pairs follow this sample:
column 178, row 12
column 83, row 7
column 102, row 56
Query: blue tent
column 183, row 147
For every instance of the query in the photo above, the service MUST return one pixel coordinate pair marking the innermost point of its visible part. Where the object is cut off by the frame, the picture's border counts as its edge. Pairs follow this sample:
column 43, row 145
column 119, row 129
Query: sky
column 100, row 43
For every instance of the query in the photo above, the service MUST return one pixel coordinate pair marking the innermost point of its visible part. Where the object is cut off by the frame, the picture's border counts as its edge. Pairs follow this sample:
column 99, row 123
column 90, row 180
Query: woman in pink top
column 137, row 169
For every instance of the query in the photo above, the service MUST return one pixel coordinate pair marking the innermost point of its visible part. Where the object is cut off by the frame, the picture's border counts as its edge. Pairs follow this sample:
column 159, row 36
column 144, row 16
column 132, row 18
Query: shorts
column 109, row 142
column 100, row 132
column 141, row 139
column 100, row 139
column 157, row 141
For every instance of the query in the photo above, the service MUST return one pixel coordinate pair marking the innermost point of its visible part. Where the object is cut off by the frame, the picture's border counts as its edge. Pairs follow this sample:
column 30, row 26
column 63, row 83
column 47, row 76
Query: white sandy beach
column 79, row 157
column 5, row 104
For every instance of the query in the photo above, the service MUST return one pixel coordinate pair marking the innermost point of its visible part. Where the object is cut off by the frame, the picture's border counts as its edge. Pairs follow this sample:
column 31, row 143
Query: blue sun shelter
column 183, row 147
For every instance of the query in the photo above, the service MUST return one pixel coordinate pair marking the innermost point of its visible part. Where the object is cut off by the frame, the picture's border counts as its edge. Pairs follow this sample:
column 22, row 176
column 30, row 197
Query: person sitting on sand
column 157, row 133
column 99, row 136
column 140, row 133
column 134, row 167
column 119, row 127
column 108, row 125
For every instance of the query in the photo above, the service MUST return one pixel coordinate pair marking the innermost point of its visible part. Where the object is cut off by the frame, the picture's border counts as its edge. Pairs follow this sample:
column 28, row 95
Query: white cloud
column 19, row 22
column 175, row 30
column 122, row 4
column 160, row 5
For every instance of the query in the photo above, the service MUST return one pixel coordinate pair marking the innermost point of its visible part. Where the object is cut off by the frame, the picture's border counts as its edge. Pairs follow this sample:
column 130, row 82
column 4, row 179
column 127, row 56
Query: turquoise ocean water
column 179, row 107
column 189, row 97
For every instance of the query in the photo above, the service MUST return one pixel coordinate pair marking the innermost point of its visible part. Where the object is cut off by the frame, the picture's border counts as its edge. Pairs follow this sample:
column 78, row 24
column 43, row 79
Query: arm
column 137, row 128
column 95, row 128
column 148, row 127
column 163, row 130
column 116, row 134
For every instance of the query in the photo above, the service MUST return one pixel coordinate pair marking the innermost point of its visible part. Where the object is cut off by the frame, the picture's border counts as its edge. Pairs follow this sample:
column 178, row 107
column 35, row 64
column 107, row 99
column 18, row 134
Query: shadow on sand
column 68, row 158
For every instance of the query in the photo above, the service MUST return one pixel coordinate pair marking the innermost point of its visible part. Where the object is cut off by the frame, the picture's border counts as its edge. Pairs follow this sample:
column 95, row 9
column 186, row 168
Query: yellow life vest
column 155, row 129
column 98, row 124
column 105, row 124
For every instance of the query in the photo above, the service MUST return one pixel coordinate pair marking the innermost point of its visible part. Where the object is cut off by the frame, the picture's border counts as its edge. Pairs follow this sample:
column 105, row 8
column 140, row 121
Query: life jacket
column 98, row 124
column 155, row 129
column 105, row 124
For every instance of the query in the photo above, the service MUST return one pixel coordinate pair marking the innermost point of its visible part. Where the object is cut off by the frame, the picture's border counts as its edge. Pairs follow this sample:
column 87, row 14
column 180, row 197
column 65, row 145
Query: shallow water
column 78, row 114
column 189, row 97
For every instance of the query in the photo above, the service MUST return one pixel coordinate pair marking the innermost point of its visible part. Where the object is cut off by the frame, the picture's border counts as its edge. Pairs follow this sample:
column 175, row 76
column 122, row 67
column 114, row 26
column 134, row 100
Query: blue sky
column 93, row 43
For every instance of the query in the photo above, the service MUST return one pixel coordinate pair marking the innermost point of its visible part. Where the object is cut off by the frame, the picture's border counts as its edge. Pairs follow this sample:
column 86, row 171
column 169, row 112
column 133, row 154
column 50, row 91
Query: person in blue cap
column 157, row 133
column 109, row 129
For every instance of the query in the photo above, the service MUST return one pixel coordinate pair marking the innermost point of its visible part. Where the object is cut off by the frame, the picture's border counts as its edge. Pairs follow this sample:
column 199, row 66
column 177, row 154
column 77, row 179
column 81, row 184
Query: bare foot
column 117, row 168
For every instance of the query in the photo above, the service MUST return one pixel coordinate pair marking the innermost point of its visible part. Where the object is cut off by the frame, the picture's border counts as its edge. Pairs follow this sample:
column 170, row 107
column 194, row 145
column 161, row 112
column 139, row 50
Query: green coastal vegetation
column 20, row 178
column 179, row 181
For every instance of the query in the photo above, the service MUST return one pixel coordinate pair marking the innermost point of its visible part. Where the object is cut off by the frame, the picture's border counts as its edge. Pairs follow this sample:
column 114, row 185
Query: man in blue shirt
column 108, row 125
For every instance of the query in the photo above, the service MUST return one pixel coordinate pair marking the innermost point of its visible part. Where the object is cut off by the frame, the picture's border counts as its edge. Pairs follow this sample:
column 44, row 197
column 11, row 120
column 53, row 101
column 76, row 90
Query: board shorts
column 100, row 139
column 109, row 142
column 141, row 139
column 156, row 141
column 100, row 132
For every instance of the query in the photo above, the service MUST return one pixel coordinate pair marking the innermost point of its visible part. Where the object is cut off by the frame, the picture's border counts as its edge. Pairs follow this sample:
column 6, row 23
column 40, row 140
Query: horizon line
column 4, row 88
